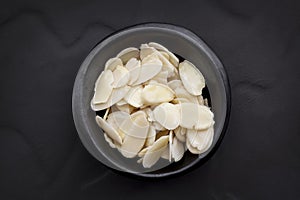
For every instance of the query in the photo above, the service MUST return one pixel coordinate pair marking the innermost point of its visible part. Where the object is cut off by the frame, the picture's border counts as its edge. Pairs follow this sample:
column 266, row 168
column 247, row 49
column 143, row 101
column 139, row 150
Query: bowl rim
column 216, row 62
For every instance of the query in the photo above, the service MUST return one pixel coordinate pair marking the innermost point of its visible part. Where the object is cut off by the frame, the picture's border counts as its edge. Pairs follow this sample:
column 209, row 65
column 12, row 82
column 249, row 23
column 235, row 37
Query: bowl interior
column 178, row 40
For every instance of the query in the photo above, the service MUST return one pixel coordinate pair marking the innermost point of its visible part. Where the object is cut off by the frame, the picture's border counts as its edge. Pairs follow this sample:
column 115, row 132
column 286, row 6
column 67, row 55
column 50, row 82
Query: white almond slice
column 166, row 65
column 175, row 84
column 134, row 75
column 166, row 153
column 157, row 93
column 200, row 100
column 177, row 150
column 181, row 92
column 170, row 144
column 155, row 151
column 209, row 142
column 204, row 139
column 151, row 136
column 109, row 141
column 180, row 100
column 168, row 115
column 191, row 77
column 106, row 113
column 152, row 58
column 103, row 87
column 134, row 67
column 165, row 54
column 143, row 152
column 183, row 131
column 125, row 108
column 148, row 71
column 128, row 53
column 173, row 59
column 112, row 63
column 149, row 114
column 161, row 77
column 200, row 140
column 139, row 161
column 134, row 96
column 131, row 146
column 109, row 130
column 121, row 76
column 136, row 125
column 121, row 102
column 158, row 127
column 116, row 95
column 205, row 102
column 192, row 149
column 144, row 46
column 132, row 63
column 194, row 116
column 178, row 134
column 115, row 119
column 146, row 51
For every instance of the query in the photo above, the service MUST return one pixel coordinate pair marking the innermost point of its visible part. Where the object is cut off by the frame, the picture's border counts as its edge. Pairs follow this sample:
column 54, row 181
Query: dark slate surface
column 42, row 45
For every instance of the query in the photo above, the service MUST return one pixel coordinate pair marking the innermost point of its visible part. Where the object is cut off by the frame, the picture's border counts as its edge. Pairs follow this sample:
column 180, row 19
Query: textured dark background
column 42, row 45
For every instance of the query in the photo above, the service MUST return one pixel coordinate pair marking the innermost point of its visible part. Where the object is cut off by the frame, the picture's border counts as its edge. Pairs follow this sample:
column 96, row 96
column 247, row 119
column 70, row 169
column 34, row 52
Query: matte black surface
column 43, row 44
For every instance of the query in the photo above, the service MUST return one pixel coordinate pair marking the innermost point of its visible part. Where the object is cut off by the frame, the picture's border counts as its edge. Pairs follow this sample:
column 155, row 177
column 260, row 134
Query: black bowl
column 180, row 41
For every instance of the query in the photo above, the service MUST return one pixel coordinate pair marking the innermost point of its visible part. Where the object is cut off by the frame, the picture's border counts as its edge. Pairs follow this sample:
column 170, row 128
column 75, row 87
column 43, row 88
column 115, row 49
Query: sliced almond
column 112, row 63
column 200, row 100
column 149, row 114
column 173, row 59
column 121, row 102
column 170, row 144
column 131, row 146
column 155, row 151
column 194, row 116
column 179, row 135
column 168, row 115
column 121, row 76
column 165, row 54
column 116, row 95
column 161, row 77
column 143, row 152
column 151, row 136
column 166, row 153
column 191, row 149
column 106, row 113
column 132, row 63
column 177, row 150
column 166, row 65
column 109, row 141
column 157, row 93
column 103, row 87
column 115, row 119
column 109, row 130
column 128, row 53
column 200, row 139
column 180, row 100
column 158, row 127
column 205, row 102
column 191, row 77
column 181, row 92
column 125, row 108
column 134, row 67
column 148, row 70
column 146, row 51
column 134, row 96
column 175, row 84
column 136, row 125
